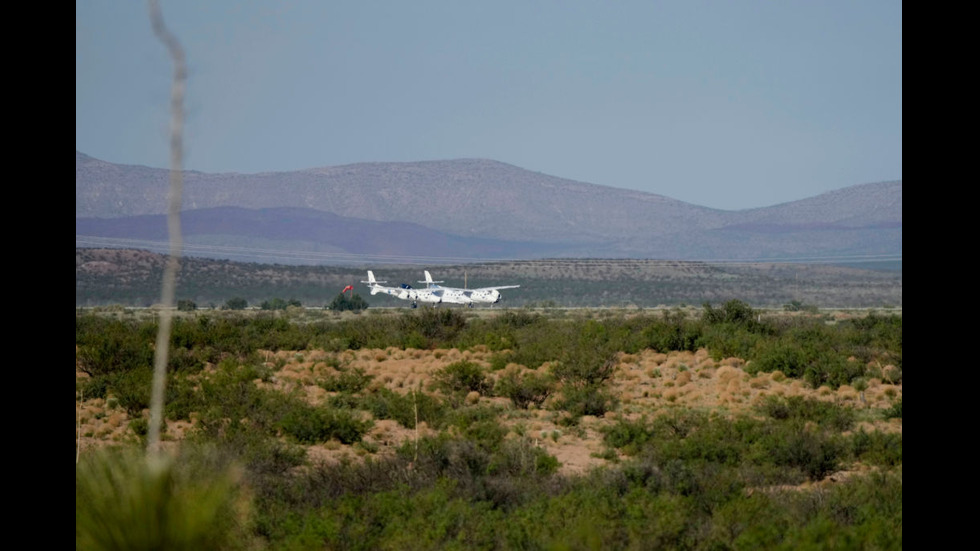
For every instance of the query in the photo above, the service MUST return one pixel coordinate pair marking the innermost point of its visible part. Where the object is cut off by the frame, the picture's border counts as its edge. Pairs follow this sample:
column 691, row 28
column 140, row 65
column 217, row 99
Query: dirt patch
column 649, row 383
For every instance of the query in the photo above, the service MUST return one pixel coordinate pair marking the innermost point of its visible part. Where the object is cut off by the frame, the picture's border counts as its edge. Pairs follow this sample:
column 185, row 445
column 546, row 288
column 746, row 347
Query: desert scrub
column 350, row 381
column 313, row 425
column 461, row 376
column 525, row 388
column 825, row 414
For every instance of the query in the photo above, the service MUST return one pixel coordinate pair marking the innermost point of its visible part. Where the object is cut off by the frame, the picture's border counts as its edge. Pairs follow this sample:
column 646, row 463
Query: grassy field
column 686, row 428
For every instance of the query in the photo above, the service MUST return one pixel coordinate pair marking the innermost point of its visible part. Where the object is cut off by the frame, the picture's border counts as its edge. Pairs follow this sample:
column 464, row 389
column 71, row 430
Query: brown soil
column 647, row 384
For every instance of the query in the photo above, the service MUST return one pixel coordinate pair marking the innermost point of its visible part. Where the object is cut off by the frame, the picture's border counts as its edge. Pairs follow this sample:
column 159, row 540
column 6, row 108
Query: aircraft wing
column 496, row 288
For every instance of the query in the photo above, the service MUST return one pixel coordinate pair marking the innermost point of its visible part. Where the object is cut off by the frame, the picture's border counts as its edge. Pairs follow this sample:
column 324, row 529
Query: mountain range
column 467, row 209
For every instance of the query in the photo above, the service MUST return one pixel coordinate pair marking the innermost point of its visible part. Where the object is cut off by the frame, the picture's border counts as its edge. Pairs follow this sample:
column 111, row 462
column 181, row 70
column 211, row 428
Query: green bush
column 525, row 388
column 279, row 304
column 342, row 303
column 111, row 346
column 236, row 303
column 124, row 501
column 825, row 414
column 350, row 381
column 315, row 425
column 586, row 400
column 628, row 435
column 462, row 376
column 814, row 453
column 388, row 404
column 895, row 411
column 877, row 448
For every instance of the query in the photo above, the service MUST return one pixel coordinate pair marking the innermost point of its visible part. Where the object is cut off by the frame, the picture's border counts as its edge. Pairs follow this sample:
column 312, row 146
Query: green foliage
column 825, row 414
column 343, row 303
column 279, row 303
column 186, row 305
column 519, row 458
column 387, row 404
column 877, row 448
column 586, row 400
column 461, row 377
column 525, row 388
column 689, row 479
column 236, row 303
column 895, row 411
column 132, row 389
column 140, row 426
column 124, row 501
column 589, row 359
column 349, row 381
column 673, row 331
column 815, row 453
column 628, row 435
column 107, row 346
column 733, row 311
column 434, row 324
column 315, row 425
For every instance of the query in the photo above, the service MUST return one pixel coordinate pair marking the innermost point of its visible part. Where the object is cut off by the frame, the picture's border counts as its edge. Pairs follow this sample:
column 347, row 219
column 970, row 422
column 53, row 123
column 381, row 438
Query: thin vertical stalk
column 168, row 292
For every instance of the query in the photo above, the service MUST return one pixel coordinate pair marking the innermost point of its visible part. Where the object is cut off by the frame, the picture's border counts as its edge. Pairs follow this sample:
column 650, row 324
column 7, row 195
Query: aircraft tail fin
column 371, row 282
column 428, row 280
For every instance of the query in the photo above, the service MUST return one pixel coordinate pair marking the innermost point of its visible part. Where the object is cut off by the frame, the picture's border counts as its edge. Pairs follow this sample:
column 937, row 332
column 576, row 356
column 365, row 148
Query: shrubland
column 442, row 429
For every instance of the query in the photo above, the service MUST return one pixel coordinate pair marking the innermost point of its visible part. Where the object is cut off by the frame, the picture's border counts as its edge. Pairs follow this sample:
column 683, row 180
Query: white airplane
column 404, row 292
column 456, row 295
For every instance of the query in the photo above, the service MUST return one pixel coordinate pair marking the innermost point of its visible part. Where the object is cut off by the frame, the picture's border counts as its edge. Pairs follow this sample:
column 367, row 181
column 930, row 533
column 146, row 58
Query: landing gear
column 415, row 304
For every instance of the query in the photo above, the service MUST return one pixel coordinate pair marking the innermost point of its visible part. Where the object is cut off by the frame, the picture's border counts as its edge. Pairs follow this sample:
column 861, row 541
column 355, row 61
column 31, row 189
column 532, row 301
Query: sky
column 729, row 104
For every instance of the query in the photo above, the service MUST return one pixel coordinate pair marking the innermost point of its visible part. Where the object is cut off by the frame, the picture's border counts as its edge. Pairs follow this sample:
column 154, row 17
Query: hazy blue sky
column 728, row 103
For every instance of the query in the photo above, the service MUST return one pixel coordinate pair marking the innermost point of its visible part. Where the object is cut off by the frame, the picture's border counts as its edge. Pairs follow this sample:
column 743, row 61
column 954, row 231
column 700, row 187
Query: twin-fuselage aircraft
column 436, row 294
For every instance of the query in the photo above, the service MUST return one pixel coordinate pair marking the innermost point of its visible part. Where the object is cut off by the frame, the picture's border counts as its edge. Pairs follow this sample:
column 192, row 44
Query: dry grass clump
column 671, row 395
column 777, row 376
column 629, row 359
column 732, row 362
column 727, row 373
column 676, row 360
column 703, row 358
column 683, row 378
column 319, row 355
column 626, row 375
column 847, row 393
column 760, row 381
column 891, row 373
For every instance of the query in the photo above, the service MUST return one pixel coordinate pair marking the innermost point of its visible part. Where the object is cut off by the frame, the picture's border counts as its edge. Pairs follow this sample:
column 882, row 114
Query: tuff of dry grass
column 648, row 383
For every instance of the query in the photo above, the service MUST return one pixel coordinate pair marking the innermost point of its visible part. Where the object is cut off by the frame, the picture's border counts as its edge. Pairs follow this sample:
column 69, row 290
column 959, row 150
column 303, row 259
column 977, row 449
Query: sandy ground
column 647, row 384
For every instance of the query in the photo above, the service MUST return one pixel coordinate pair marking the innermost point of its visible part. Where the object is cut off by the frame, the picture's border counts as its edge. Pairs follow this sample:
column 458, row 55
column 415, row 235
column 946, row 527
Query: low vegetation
column 132, row 278
column 725, row 428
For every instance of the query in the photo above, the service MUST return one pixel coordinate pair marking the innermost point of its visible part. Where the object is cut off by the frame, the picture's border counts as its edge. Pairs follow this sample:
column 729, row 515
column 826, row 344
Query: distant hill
column 473, row 208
